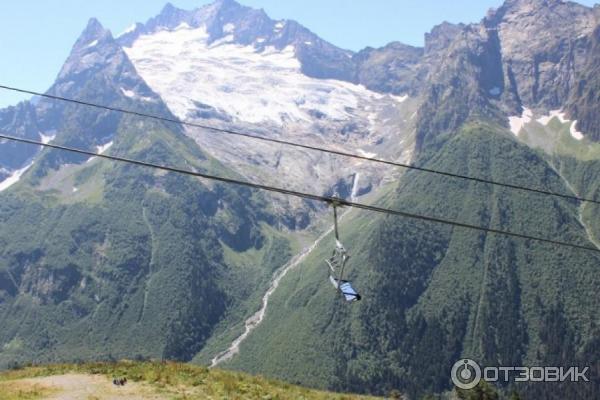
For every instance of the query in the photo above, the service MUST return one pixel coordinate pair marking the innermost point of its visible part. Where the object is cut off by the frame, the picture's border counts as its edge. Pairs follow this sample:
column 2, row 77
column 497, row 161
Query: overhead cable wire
column 303, row 195
column 299, row 145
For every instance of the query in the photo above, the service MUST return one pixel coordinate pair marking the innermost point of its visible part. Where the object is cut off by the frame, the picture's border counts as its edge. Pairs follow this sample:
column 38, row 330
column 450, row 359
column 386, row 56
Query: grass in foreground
column 168, row 380
column 17, row 391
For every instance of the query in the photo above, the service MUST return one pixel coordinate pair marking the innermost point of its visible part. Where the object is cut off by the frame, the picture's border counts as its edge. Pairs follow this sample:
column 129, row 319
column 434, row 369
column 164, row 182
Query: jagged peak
column 533, row 6
column 169, row 9
column 94, row 24
column 441, row 35
column 568, row 15
column 536, row 3
column 395, row 46
column 226, row 3
column 94, row 28
column 224, row 7
column 93, row 33
column 95, row 46
column 445, row 26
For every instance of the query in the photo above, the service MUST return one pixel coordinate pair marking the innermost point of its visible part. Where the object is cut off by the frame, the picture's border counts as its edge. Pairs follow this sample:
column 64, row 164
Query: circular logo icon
column 466, row 374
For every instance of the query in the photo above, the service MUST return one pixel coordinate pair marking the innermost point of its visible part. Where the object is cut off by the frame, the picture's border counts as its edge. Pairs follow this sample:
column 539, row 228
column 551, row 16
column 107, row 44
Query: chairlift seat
column 346, row 288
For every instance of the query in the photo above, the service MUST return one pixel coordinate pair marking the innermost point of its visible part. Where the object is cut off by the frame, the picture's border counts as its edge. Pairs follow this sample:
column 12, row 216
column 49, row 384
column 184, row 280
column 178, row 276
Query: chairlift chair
column 337, row 263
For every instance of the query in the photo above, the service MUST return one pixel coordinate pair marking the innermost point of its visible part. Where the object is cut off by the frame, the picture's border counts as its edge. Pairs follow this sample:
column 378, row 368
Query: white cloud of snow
column 133, row 95
column 229, row 28
column 102, row 149
column 574, row 132
column 47, row 138
column 517, row 122
column 128, row 93
column 241, row 81
column 14, row 177
column 399, row 99
column 366, row 153
column 130, row 28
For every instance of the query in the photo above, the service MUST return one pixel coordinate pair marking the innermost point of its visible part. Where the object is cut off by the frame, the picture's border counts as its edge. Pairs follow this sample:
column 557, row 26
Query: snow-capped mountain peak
column 232, row 66
column 219, row 18
column 94, row 48
column 93, row 35
column 228, row 20
column 254, row 83
column 229, row 65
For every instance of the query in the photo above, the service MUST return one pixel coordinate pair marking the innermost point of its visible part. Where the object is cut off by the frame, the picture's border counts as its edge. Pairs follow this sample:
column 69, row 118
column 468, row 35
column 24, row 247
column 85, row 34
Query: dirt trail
column 89, row 387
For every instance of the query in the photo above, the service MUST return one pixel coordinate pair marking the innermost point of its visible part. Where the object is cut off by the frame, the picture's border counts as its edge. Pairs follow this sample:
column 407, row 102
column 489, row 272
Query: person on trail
column 120, row 382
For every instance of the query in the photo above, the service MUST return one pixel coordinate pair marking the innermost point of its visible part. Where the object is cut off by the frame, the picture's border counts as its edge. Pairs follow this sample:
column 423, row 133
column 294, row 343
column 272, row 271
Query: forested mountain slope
column 431, row 293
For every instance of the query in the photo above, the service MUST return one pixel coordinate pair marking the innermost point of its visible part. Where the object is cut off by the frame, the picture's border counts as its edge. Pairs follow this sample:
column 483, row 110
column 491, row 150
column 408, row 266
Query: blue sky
column 36, row 35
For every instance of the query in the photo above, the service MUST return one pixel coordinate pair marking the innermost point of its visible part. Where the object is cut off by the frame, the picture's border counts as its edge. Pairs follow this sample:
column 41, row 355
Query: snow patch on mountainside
column 244, row 82
column 47, row 138
column 128, row 93
column 517, row 122
column 133, row 95
column 574, row 132
column 229, row 28
column 14, row 177
column 545, row 120
column 399, row 99
column 102, row 149
column 366, row 153
column 129, row 29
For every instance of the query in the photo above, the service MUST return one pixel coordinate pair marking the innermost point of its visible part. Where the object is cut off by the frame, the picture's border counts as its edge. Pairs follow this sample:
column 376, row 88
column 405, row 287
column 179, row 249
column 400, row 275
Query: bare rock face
column 393, row 68
column 464, row 80
column 402, row 69
column 584, row 102
column 17, row 121
column 48, row 286
column 527, row 53
column 98, row 69
column 543, row 47
column 441, row 36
